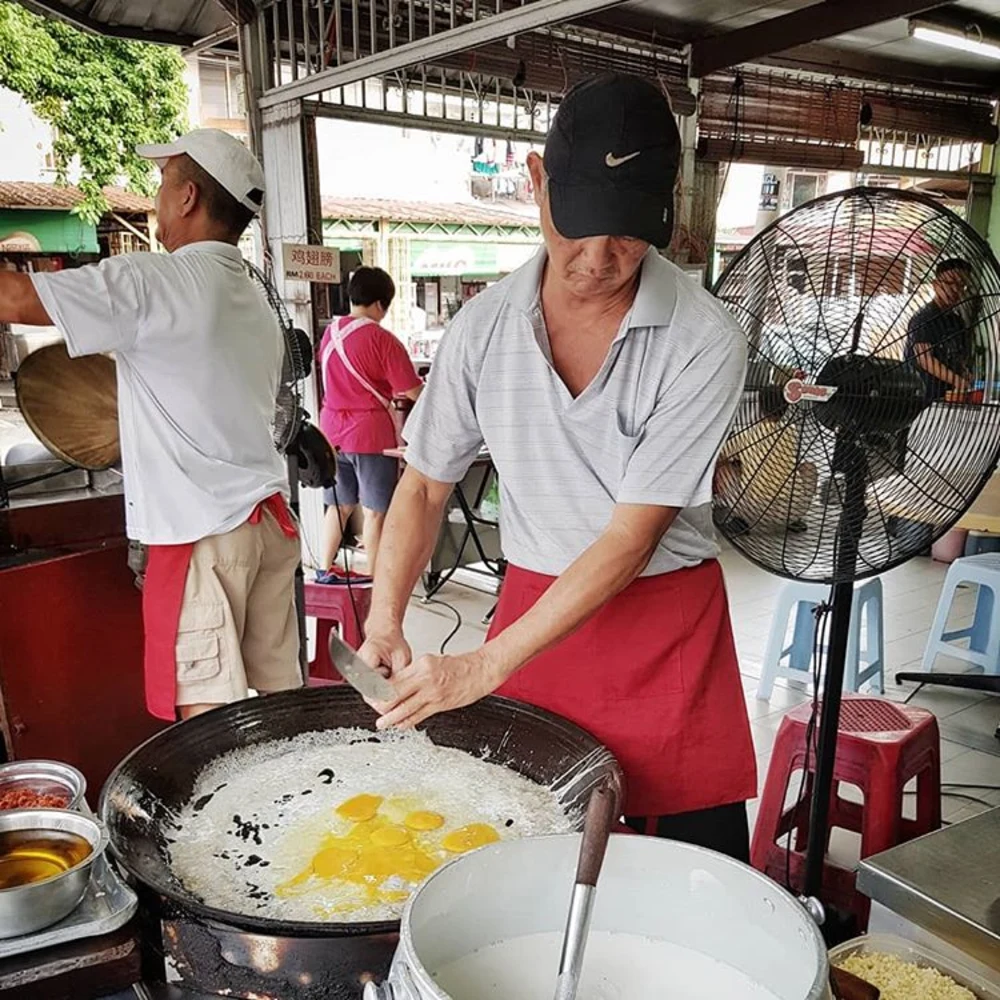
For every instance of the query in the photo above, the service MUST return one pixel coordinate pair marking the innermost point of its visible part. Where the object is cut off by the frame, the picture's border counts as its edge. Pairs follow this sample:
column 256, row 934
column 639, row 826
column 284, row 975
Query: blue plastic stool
column 793, row 662
column 984, row 632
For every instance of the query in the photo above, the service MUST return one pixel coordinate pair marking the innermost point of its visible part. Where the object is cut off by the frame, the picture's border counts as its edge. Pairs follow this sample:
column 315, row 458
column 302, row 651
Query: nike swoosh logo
column 616, row 161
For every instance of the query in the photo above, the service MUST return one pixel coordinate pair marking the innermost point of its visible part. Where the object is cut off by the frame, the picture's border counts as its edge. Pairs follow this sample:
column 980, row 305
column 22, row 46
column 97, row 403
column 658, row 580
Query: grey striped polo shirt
column 647, row 429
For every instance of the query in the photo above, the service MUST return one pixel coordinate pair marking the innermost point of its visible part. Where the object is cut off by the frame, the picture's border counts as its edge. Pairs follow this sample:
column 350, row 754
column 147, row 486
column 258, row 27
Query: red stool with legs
column 880, row 747
column 333, row 605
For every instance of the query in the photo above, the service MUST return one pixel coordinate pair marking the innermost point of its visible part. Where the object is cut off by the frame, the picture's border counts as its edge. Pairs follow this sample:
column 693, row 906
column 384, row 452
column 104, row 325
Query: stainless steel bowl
column 47, row 777
column 25, row 909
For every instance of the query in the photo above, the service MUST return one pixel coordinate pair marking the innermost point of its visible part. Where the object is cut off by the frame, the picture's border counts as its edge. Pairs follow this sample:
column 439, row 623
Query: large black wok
column 147, row 791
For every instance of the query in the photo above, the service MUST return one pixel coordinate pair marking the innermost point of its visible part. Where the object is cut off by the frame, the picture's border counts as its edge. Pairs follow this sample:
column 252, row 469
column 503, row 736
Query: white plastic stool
column 794, row 661
column 984, row 632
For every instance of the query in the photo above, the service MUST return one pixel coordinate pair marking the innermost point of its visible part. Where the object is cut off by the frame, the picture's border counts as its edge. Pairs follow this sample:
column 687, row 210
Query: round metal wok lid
column 71, row 405
column 142, row 799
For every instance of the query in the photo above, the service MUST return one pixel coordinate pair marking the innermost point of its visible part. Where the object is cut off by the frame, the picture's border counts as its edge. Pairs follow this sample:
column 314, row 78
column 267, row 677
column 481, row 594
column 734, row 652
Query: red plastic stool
column 880, row 747
column 334, row 605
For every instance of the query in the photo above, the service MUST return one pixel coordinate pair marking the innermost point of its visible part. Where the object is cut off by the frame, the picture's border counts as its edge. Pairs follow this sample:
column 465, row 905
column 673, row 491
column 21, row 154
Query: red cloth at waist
column 654, row 676
column 277, row 507
column 163, row 601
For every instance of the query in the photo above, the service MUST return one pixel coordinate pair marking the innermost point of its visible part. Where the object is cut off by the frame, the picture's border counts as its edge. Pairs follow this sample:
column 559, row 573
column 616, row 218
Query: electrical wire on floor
column 458, row 621
column 344, row 550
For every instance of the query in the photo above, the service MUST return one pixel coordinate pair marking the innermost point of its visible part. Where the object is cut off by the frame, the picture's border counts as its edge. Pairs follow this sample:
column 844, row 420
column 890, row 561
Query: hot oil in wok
column 389, row 849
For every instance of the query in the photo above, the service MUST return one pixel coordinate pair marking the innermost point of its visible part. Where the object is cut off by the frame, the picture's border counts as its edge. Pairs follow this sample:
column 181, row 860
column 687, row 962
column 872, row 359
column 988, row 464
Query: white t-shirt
column 199, row 355
column 647, row 430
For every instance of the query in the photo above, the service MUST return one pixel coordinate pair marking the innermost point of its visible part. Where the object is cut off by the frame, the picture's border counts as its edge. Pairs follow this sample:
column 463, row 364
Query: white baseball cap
column 222, row 156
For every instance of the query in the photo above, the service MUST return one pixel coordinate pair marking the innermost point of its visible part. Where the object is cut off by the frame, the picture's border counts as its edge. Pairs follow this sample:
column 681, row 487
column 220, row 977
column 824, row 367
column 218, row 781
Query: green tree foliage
column 102, row 95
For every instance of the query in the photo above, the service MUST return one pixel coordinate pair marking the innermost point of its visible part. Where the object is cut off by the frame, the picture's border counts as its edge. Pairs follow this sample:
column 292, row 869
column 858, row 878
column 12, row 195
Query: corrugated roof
column 26, row 194
column 176, row 22
column 457, row 213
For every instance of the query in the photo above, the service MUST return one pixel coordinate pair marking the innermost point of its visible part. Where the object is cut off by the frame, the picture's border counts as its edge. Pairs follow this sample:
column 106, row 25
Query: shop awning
column 38, row 231
column 430, row 258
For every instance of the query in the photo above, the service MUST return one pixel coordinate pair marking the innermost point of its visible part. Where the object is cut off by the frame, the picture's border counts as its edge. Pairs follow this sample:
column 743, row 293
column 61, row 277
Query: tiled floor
column 910, row 594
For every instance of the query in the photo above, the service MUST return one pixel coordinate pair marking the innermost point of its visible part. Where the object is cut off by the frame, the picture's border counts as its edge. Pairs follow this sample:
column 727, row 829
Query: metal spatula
column 596, row 830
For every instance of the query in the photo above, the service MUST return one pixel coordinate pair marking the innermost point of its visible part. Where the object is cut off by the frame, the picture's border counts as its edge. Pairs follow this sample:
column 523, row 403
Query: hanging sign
column 769, row 193
column 307, row 263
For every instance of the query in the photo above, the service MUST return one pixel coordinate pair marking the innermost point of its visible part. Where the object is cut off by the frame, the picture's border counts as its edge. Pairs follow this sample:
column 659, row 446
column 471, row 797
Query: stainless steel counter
column 947, row 883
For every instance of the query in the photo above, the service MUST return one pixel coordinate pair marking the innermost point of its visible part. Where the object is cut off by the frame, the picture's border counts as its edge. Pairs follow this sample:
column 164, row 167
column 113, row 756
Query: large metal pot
column 214, row 949
column 652, row 888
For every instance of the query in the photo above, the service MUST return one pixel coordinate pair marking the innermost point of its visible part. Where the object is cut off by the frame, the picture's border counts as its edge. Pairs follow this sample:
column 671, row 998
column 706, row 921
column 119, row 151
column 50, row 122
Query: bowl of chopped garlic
column 904, row 970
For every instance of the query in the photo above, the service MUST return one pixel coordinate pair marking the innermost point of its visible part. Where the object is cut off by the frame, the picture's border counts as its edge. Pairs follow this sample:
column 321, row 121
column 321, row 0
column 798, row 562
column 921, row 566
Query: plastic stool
column 984, row 632
column 863, row 664
column 880, row 747
column 335, row 605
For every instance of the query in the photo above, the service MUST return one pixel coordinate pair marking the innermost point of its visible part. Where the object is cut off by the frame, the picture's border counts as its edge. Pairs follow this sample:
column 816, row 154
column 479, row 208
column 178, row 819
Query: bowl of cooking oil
column 46, row 856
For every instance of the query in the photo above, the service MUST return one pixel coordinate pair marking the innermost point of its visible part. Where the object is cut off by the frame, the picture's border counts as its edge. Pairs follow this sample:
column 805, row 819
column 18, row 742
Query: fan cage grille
column 853, row 277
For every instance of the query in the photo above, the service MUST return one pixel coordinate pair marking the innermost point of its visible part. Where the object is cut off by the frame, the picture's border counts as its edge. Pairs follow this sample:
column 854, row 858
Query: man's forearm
column 941, row 372
column 408, row 537
column 604, row 570
column 19, row 302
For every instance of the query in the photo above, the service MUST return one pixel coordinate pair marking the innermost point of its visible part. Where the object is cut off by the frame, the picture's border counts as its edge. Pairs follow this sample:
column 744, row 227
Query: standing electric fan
column 846, row 458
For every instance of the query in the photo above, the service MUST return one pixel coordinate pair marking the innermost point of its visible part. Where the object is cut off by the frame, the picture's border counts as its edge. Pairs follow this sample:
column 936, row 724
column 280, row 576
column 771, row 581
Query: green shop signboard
column 440, row 258
column 40, row 231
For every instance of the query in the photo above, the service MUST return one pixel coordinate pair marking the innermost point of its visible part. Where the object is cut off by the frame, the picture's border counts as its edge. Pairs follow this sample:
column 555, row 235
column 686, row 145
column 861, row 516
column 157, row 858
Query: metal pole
column 849, row 534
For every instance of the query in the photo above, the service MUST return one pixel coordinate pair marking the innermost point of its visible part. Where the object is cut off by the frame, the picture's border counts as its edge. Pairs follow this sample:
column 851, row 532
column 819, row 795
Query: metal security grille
column 311, row 46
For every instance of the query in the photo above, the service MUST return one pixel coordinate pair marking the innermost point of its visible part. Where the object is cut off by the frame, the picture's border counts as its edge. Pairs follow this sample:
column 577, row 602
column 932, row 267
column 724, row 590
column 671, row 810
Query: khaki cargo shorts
column 238, row 628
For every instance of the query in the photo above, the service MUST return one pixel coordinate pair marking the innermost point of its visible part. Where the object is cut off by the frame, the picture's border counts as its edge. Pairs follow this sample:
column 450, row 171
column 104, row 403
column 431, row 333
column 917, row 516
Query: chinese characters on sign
column 305, row 263
column 769, row 193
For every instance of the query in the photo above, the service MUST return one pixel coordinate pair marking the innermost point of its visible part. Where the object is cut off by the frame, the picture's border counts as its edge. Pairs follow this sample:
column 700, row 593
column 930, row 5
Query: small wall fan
column 847, row 457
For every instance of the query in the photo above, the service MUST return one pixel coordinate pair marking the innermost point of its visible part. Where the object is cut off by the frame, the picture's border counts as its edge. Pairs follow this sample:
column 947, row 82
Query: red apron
column 654, row 676
column 163, row 600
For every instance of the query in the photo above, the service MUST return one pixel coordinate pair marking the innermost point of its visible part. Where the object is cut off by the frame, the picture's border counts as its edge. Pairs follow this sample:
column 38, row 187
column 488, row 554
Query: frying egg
column 360, row 808
column 420, row 820
column 468, row 838
column 383, row 859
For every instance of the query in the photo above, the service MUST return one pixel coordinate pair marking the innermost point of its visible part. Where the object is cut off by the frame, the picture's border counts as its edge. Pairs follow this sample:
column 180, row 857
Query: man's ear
column 536, row 168
column 190, row 198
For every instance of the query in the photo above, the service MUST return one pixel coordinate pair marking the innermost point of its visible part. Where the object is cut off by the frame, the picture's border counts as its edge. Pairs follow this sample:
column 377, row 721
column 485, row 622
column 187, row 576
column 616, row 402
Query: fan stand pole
column 852, row 518
column 300, row 576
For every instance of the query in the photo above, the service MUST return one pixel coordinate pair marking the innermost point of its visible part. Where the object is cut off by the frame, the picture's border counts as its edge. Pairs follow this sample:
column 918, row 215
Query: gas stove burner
column 217, row 960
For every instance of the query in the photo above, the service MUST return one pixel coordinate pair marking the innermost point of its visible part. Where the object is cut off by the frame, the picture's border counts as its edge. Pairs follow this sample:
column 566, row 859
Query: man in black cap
column 603, row 381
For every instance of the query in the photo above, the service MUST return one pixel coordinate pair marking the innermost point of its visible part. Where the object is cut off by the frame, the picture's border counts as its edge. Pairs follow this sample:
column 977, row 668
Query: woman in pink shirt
column 363, row 367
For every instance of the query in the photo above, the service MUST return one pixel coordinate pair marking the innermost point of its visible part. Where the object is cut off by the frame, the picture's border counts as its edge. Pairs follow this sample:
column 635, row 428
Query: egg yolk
column 334, row 861
column 360, row 808
column 389, row 836
column 468, row 838
column 377, row 854
column 424, row 821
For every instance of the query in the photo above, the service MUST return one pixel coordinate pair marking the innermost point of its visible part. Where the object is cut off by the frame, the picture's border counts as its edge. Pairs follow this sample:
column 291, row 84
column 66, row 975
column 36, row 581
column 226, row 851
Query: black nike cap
column 612, row 159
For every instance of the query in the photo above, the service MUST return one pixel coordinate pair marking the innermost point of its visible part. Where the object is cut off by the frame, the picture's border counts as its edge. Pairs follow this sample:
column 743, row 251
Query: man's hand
column 386, row 650
column 433, row 684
